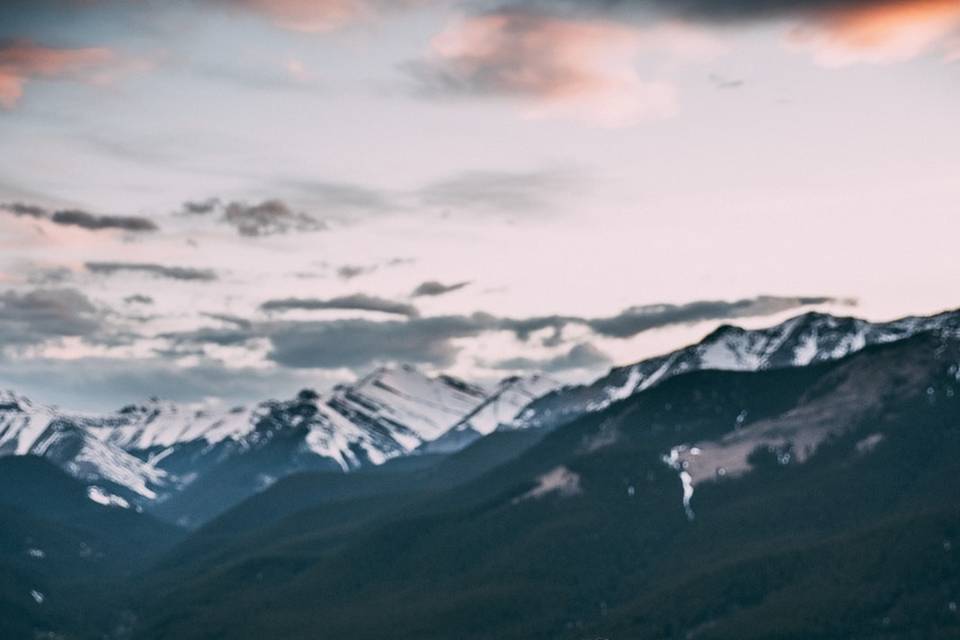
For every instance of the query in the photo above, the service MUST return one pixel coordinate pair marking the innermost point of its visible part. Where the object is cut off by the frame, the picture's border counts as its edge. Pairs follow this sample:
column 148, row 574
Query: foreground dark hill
column 61, row 553
column 824, row 505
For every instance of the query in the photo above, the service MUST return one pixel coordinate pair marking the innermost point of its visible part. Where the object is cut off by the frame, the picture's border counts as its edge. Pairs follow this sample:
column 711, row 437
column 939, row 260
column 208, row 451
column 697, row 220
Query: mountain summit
column 806, row 339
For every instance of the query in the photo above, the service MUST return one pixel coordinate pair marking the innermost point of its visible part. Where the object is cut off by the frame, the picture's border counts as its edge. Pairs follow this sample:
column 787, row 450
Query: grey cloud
column 431, row 79
column 736, row 10
column 235, row 321
column 33, row 317
column 223, row 337
column 359, row 343
column 344, row 197
column 83, row 219
column 434, row 288
column 484, row 191
column 351, row 271
column 268, row 218
column 138, row 298
column 49, row 276
column 636, row 320
column 524, row 327
column 697, row 10
column 109, row 383
column 28, row 210
column 583, row 355
column 173, row 273
column 201, row 207
column 355, row 302
column 93, row 222
column 501, row 191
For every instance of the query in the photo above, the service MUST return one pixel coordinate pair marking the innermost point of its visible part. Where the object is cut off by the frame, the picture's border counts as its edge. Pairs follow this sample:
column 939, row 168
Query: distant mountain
column 188, row 464
column 806, row 339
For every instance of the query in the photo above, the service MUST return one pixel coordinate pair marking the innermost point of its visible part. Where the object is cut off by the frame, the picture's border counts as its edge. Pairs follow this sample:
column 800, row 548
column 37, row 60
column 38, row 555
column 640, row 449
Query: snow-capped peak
column 152, row 449
column 802, row 340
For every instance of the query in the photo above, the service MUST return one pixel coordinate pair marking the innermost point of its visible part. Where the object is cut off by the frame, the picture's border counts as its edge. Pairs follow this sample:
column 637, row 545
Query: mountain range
column 186, row 464
column 791, row 482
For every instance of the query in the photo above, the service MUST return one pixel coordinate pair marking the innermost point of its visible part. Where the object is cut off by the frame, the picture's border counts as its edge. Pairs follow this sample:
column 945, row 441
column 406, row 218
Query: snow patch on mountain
column 561, row 481
column 100, row 496
column 163, row 424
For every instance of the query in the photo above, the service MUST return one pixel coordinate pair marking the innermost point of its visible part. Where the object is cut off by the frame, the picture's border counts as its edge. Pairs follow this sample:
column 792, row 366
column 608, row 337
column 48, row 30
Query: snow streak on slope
column 511, row 396
column 412, row 407
column 500, row 408
column 21, row 423
column 163, row 424
column 28, row 429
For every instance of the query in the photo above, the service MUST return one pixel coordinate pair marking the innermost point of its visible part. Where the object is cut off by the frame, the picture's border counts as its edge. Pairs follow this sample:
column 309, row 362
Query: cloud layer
column 583, row 355
column 437, row 340
column 173, row 273
column 355, row 302
column 82, row 219
column 33, row 317
column 432, row 288
column 22, row 61
column 313, row 16
column 268, row 218
column 572, row 68
column 836, row 32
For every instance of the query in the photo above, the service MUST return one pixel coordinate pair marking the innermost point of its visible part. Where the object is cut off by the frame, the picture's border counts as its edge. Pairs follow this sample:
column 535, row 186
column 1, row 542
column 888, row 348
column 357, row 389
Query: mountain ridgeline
column 792, row 482
column 186, row 465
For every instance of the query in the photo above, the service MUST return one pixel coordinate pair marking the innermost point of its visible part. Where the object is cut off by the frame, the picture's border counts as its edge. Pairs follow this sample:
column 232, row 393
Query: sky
column 223, row 200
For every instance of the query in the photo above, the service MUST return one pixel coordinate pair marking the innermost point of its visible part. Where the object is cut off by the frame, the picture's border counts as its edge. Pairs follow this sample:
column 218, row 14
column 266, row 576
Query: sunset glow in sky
column 238, row 198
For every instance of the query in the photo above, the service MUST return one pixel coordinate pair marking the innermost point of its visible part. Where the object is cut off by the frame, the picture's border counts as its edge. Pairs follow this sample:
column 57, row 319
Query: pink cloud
column 890, row 31
column 22, row 61
column 953, row 51
column 584, row 69
column 313, row 16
